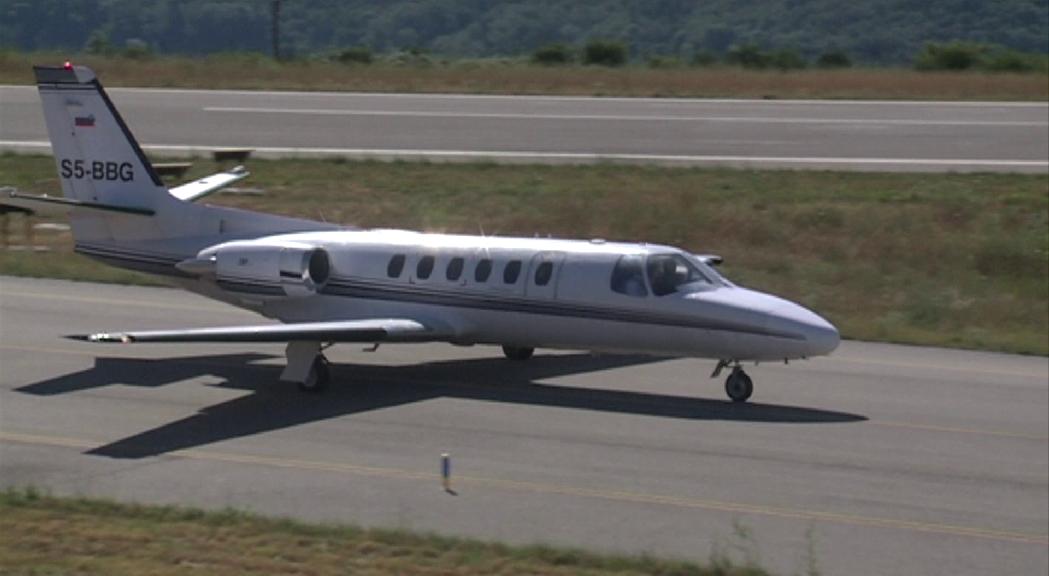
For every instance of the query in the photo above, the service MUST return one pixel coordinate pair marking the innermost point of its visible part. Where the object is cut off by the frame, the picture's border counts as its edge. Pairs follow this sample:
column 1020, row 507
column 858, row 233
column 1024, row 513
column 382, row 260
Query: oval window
column 512, row 271
column 424, row 268
column 543, row 273
column 396, row 266
column 483, row 270
column 455, row 269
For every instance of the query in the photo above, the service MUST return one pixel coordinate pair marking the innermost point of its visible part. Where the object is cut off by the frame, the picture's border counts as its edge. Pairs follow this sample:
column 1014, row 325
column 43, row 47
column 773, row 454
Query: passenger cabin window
column 669, row 273
column 455, row 269
column 512, row 271
column 424, row 268
column 543, row 273
column 483, row 270
column 396, row 266
column 628, row 277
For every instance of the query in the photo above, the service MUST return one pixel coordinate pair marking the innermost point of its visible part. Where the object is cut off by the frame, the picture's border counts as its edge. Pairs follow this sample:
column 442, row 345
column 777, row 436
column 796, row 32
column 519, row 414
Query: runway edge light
column 446, row 471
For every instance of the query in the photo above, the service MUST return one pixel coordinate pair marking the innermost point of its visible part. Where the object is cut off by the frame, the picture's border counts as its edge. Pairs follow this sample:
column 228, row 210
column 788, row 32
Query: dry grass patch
column 943, row 259
column 511, row 77
column 47, row 535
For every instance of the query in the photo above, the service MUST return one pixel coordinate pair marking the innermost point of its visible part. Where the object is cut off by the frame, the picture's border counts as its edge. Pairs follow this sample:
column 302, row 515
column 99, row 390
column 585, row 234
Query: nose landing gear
column 738, row 385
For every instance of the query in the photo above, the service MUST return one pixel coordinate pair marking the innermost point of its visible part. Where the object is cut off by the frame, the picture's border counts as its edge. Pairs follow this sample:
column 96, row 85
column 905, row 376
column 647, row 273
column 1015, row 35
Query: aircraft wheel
column 319, row 377
column 739, row 386
column 518, row 352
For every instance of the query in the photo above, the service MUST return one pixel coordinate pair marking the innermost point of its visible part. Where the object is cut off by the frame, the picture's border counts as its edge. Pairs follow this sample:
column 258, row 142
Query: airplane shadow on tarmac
column 363, row 388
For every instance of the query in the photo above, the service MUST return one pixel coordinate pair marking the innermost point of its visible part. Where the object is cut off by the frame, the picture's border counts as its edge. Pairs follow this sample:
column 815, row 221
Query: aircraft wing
column 198, row 189
column 377, row 330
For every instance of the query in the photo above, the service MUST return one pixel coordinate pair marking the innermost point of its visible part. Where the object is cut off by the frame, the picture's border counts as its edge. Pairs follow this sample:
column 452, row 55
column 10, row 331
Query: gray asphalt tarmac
column 919, row 136
column 886, row 459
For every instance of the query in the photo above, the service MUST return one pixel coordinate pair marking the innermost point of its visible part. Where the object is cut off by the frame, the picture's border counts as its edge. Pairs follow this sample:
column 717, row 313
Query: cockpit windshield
column 669, row 273
column 710, row 271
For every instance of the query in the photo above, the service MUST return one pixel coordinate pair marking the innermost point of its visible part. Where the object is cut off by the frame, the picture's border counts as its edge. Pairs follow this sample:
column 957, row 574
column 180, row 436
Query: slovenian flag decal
column 84, row 121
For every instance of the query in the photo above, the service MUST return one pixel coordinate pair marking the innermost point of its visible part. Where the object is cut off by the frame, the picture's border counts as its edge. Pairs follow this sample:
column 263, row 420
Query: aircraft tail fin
column 112, row 193
column 99, row 161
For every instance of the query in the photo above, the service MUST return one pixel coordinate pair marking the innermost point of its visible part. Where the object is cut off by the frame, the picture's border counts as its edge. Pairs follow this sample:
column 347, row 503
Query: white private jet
column 329, row 284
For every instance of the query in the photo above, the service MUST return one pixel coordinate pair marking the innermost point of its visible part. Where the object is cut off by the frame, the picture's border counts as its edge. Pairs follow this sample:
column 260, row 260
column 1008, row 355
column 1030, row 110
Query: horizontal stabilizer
column 53, row 204
column 367, row 331
column 200, row 188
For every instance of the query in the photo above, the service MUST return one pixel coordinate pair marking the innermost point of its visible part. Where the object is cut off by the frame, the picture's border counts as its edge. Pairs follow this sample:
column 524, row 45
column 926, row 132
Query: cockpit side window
column 628, row 277
column 669, row 273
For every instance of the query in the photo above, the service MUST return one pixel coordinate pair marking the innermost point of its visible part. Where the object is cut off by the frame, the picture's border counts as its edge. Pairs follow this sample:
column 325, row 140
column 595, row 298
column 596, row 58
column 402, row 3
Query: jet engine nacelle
column 284, row 270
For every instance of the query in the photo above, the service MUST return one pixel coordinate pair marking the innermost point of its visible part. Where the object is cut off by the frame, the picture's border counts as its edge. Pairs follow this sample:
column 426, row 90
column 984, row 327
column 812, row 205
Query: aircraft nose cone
column 821, row 337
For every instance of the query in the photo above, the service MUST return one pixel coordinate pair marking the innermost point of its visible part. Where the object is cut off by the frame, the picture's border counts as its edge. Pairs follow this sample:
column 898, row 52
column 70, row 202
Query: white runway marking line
column 566, row 490
column 583, row 157
column 610, row 117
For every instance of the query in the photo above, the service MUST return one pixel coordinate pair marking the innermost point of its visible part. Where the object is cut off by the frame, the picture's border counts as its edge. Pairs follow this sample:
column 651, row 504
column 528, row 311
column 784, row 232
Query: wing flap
column 374, row 330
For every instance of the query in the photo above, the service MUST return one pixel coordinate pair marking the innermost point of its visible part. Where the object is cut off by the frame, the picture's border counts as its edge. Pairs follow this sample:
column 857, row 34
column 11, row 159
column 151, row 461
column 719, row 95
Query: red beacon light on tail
column 68, row 65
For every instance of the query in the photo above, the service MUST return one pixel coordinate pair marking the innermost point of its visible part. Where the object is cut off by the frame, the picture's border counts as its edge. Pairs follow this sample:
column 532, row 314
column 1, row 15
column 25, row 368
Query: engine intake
column 302, row 273
column 267, row 270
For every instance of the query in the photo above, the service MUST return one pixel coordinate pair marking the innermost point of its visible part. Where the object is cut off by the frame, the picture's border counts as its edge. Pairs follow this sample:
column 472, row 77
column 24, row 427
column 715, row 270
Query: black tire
column 518, row 353
column 319, row 378
column 739, row 386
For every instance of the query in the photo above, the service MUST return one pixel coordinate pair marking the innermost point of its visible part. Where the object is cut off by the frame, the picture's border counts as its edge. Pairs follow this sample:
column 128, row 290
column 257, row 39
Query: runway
column 886, row 459
column 838, row 135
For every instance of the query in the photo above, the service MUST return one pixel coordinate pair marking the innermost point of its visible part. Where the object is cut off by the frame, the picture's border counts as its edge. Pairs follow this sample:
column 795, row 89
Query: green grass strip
column 957, row 260
column 510, row 76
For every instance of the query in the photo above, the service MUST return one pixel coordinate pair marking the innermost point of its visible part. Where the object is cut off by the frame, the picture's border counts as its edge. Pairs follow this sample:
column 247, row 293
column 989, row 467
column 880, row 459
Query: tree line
column 754, row 34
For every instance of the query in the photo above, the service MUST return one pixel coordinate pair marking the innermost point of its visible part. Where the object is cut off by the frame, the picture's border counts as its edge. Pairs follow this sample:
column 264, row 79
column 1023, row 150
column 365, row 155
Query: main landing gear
column 518, row 352
column 738, row 385
column 318, row 378
column 306, row 366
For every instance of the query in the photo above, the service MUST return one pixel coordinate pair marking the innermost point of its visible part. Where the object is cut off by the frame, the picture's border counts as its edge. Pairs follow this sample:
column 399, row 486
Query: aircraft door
column 543, row 275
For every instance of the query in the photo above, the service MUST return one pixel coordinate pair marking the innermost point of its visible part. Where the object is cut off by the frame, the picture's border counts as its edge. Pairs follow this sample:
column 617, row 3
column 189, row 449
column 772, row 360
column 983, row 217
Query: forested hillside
column 870, row 31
